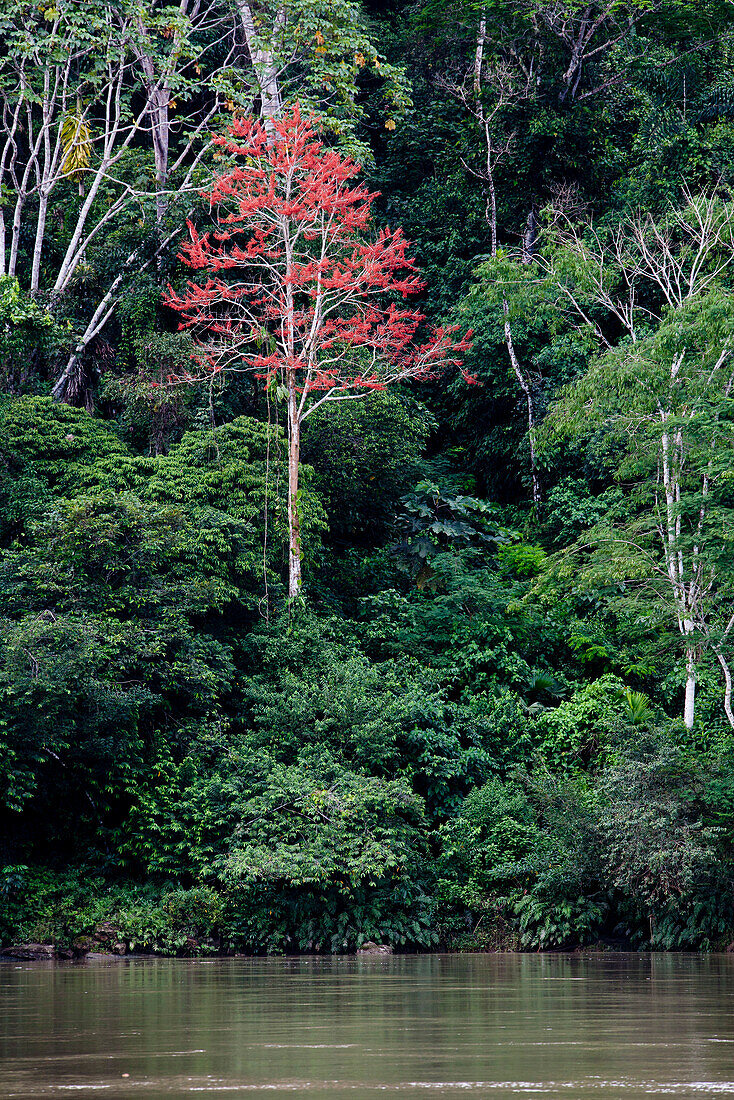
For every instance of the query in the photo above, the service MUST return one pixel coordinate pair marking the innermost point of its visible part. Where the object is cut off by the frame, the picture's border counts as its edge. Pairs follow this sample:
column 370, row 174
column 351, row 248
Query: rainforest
column 366, row 476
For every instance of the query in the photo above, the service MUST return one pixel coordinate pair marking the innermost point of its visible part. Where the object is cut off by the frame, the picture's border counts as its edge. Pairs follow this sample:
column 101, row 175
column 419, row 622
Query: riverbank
column 66, row 918
column 72, row 921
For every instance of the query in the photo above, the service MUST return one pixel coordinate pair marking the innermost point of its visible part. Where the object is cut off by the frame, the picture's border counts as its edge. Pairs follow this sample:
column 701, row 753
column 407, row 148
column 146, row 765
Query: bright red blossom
column 294, row 283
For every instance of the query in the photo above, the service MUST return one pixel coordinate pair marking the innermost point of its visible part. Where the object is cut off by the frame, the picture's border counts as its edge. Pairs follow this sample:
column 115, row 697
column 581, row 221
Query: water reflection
column 497, row 1025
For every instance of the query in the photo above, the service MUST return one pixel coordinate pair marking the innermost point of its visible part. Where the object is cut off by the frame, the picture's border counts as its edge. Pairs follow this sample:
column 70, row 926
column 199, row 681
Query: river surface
column 409, row 1027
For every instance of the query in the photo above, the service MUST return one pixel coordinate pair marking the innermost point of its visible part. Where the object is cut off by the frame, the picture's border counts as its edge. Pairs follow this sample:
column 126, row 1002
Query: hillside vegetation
column 354, row 590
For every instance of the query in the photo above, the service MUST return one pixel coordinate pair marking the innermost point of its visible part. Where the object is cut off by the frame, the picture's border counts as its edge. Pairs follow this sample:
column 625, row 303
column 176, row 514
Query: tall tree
column 665, row 394
column 296, row 291
column 87, row 93
column 489, row 92
column 319, row 53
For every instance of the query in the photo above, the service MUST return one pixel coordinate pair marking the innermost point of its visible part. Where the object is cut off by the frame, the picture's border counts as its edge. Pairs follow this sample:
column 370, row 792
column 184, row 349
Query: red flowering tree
column 297, row 290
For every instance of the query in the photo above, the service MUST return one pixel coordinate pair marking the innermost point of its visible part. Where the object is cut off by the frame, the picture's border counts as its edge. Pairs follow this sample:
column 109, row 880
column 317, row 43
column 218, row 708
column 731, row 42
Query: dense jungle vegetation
column 495, row 710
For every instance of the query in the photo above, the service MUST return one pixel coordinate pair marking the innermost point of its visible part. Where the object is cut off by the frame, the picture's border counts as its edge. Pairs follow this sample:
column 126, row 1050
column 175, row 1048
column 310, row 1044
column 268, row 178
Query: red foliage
column 295, row 285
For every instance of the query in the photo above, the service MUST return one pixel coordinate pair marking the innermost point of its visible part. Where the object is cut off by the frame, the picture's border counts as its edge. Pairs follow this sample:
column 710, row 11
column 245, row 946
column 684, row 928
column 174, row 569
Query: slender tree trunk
column 572, row 76
column 38, row 243
column 15, row 233
column 727, row 686
column 158, row 95
column 526, row 389
column 160, row 130
column 101, row 316
column 42, row 198
column 263, row 63
column 8, row 159
column 530, row 238
column 689, row 707
column 294, row 455
column 479, row 57
column 492, row 212
column 671, row 464
column 73, row 255
column 491, row 218
column 490, row 209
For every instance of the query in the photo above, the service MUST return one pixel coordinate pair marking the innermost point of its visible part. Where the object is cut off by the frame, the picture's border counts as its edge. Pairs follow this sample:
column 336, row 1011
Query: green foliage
column 29, row 336
column 659, row 851
column 525, row 852
column 581, row 731
column 628, row 854
column 153, row 414
column 365, row 454
column 47, row 450
column 571, row 509
column 492, row 417
column 435, row 520
column 387, row 718
column 118, row 600
column 334, row 856
column 175, row 924
column 41, row 906
column 466, row 733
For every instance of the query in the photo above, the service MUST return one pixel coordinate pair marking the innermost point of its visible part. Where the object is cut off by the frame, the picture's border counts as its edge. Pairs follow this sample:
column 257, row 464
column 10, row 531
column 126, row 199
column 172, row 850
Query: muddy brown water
column 410, row 1027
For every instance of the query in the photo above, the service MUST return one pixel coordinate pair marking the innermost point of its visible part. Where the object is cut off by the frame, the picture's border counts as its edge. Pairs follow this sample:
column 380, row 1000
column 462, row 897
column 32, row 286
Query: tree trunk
column 491, row 217
column 294, row 455
column 158, row 96
column 100, row 317
column 492, row 214
column 66, row 383
column 158, row 100
column 38, row 243
column 530, row 238
column 264, row 64
column 727, row 686
column 689, row 707
column 526, row 389
column 15, row 232
column 490, row 209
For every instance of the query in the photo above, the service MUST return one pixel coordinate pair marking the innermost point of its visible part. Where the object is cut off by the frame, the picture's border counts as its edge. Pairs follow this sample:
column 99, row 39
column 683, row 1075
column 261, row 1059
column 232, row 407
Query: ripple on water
column 510, row 1026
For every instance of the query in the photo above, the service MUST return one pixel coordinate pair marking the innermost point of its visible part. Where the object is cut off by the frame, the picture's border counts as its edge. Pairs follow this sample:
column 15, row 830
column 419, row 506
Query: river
column 413, row 1026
